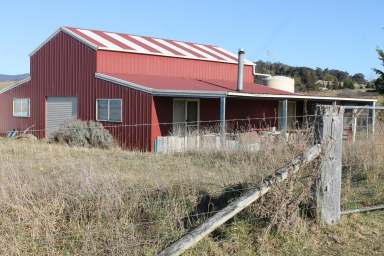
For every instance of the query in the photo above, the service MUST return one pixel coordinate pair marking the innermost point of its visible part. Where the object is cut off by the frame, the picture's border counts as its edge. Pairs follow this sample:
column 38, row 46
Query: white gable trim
column 165, row 54
column 16, row 84
column 158, row 92
column 68, row 32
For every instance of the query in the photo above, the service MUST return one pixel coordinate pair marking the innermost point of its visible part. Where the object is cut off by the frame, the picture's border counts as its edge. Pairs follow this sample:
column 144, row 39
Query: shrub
column 84, row 134
column 99, row 137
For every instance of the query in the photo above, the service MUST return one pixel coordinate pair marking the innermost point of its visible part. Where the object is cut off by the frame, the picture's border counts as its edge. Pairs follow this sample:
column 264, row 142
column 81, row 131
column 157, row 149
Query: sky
column 336, row 34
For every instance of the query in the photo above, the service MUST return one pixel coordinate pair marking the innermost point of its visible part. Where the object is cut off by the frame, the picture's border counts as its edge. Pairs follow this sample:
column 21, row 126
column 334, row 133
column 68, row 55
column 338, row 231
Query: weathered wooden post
column 329, row 133
column 222, row 121
column 354, row 125
column 284, row 118
column 373, row 117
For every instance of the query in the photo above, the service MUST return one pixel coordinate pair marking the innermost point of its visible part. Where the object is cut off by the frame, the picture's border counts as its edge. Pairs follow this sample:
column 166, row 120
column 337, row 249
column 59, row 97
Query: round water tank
column 281, row 83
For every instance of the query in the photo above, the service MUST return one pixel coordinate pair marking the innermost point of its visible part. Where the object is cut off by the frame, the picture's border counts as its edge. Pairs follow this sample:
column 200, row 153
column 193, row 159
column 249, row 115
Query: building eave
column 16, row 84
column 283, row 96
column 159, row 92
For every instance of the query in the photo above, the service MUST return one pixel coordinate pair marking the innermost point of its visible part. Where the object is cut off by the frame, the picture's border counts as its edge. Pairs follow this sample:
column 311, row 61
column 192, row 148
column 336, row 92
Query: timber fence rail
column 219, row 218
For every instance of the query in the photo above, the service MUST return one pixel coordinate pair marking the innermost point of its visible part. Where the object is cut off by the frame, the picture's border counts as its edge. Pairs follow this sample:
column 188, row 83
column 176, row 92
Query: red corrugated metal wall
column 261, row 114
column 7, row 122
column 66, row 67
column 131, row 63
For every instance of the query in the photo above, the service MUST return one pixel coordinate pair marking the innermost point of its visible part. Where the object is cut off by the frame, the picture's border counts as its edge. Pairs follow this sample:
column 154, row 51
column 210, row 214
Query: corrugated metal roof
column 155, row 46
column 167, row 84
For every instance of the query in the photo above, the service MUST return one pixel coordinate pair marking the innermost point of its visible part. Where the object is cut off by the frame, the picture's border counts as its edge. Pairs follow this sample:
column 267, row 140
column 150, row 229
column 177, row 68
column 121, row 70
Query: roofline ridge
column 154, row 37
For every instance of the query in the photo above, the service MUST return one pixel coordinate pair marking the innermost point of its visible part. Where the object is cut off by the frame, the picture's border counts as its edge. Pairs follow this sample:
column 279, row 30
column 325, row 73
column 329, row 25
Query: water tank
column 283, row 83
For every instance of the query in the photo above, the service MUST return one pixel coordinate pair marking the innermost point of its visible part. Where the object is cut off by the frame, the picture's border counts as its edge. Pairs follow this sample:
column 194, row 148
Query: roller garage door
column 60, row 110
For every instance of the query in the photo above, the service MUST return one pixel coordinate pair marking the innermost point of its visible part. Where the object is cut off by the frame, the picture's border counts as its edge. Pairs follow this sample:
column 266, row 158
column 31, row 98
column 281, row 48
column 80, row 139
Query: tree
column 348, row 84
column 359, row 78
column 332, row 82
column 379, row 83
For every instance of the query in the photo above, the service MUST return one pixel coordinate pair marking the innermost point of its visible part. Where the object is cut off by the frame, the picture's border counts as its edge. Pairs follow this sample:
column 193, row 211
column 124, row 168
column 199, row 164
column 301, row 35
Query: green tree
column 348, row 83
column 379, row 83
column 359, row 78
column 332, row 81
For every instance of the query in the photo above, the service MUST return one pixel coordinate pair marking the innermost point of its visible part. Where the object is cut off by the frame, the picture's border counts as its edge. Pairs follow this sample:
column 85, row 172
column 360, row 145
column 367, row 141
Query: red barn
column 139, row 87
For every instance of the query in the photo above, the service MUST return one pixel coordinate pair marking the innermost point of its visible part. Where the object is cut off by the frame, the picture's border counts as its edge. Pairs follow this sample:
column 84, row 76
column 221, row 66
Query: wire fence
column 249, row 123
column 107, row 213
column 363, row 160
column 120, row 217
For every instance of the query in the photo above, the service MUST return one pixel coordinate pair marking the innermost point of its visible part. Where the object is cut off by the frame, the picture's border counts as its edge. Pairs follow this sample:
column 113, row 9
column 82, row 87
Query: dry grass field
column 60, row 200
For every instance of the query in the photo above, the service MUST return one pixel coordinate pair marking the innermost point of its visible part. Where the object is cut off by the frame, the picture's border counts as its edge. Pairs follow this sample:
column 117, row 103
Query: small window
column 109, row 110
column 21, row 107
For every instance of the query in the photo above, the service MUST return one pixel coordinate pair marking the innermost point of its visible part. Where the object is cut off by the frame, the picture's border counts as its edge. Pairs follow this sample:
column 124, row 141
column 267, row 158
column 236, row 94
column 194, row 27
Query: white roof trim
column 100, row 39
column 154, row 46
column 126, row 42
column 246, row 61
column 175, row 48
column 95, row 47
column 282, row 96
column 194, row 49
column 123, row 82
column 45, row 41
column 214, row 52
column 68, row 32
column 15, row 84
column 158, row 92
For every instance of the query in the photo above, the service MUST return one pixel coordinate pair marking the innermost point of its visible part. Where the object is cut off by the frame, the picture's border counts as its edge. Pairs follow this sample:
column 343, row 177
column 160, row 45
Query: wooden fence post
column 329, row 134
column 354, row 125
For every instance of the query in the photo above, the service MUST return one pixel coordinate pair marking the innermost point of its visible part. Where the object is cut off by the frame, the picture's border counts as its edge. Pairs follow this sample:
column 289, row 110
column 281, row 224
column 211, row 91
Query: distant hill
column 5, row 84
column 309, row 79
column 4, row 78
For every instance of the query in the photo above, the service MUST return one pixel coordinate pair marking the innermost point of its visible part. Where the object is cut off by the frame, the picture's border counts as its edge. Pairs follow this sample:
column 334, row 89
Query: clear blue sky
column 324, row 33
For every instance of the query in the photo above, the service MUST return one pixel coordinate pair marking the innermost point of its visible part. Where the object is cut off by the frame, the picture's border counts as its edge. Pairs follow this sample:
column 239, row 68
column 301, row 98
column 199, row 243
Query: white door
column 186, row 114
column 59, row 110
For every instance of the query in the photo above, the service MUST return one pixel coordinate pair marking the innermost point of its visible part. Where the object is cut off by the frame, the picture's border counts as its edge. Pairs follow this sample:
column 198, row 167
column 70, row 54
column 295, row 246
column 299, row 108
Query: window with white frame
column 109, row 110
column 21, row 107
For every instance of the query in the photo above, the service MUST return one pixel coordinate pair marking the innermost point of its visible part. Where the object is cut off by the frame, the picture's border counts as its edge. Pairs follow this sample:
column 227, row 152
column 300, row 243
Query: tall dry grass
column 363, row 170
column 59, row 200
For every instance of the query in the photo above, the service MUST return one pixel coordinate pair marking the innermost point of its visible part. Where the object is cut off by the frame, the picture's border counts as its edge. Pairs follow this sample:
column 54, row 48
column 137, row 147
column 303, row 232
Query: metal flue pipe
column 240, row 71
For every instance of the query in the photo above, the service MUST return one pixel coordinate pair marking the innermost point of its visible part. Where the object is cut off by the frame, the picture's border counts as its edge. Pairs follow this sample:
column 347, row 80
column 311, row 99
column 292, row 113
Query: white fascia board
column 158, row 92
column 186, row 93
column 45, row 41
column 123, row 82
column 81, row 39
column 16, row 84
column 67, row 31
column 282, row 96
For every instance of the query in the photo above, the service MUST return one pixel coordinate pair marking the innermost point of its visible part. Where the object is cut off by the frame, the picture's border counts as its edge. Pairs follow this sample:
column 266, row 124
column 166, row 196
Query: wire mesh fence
column 363, row 159
column 238, row 133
